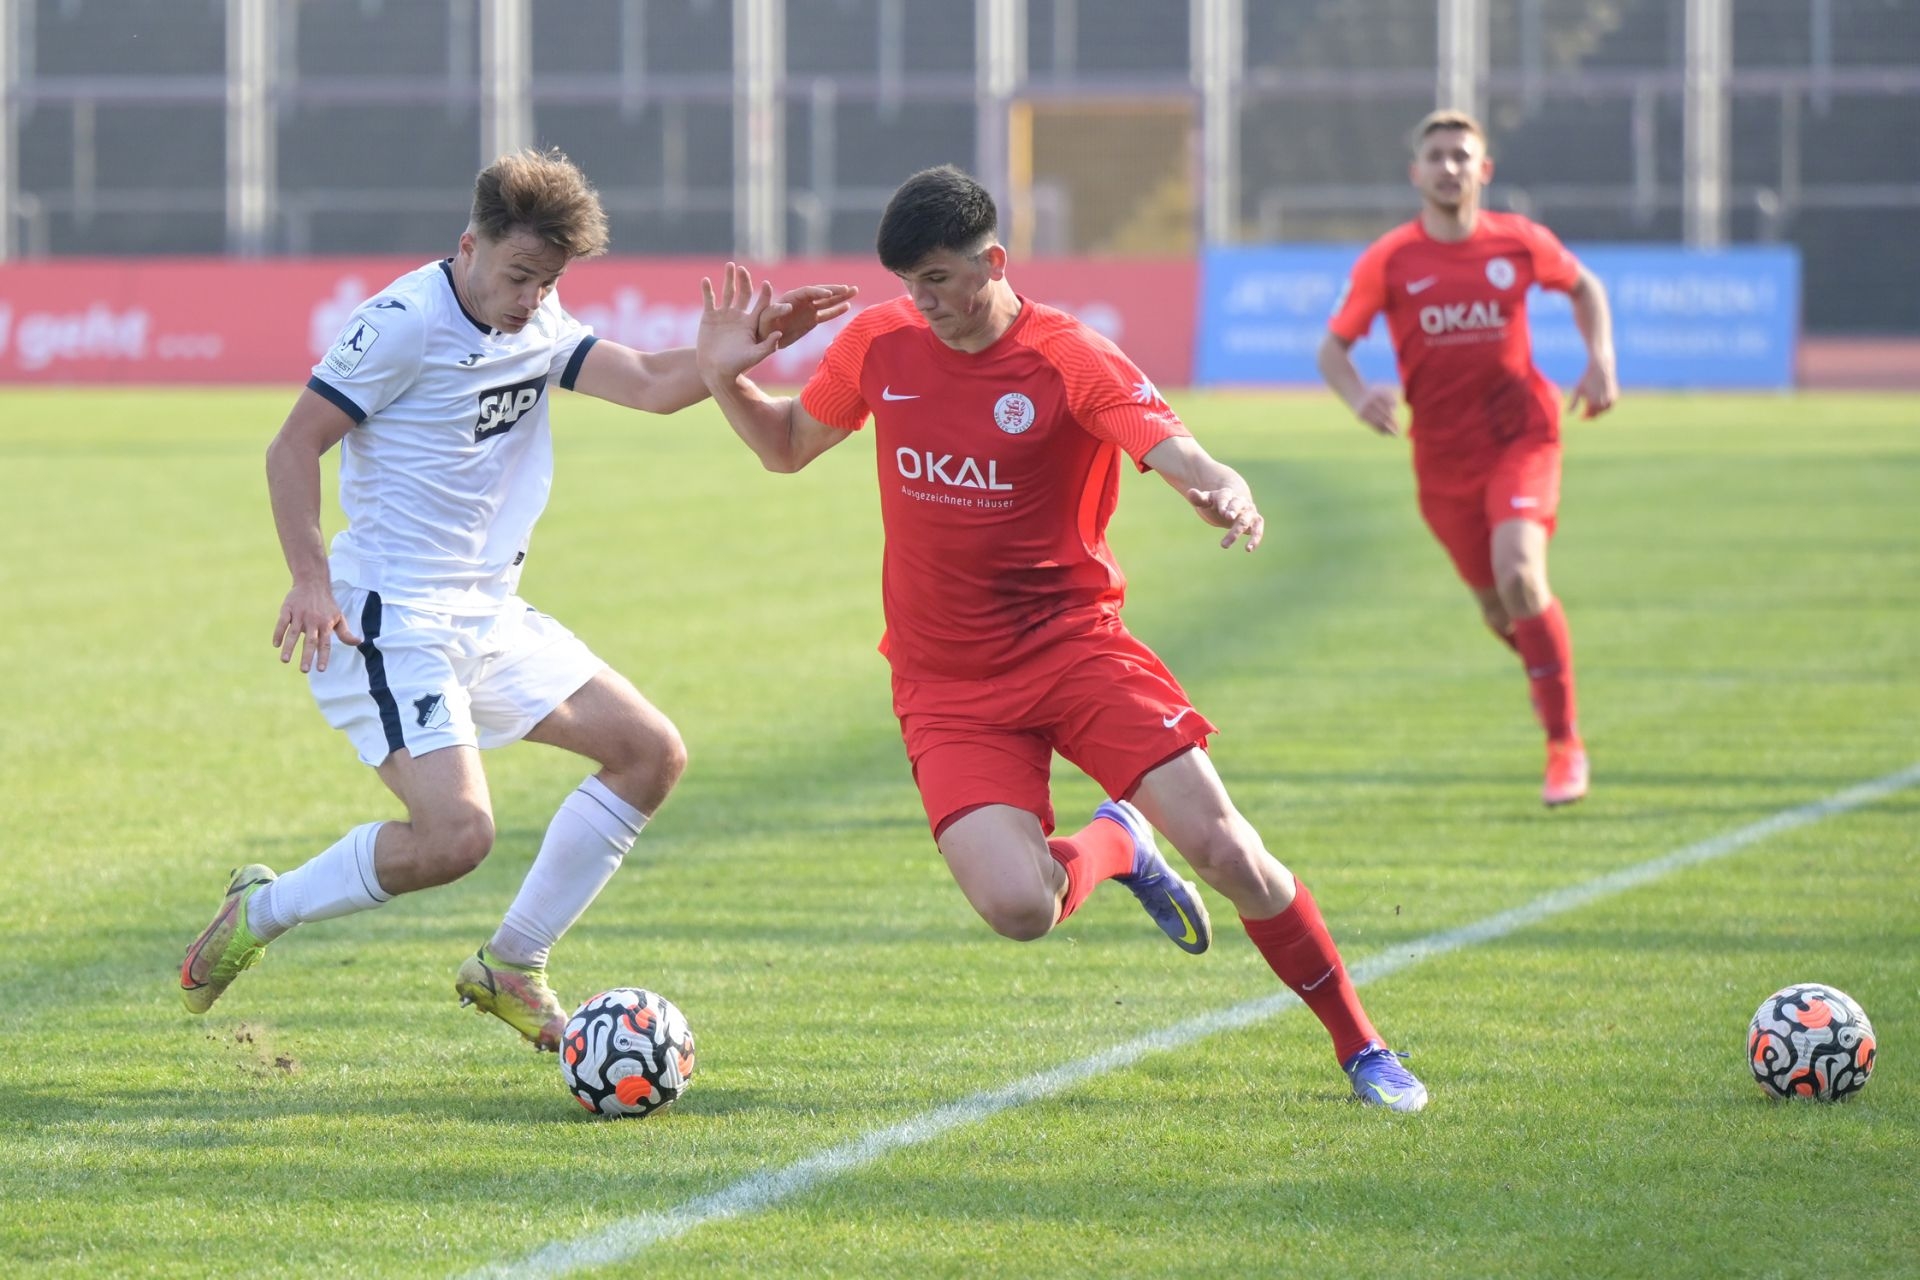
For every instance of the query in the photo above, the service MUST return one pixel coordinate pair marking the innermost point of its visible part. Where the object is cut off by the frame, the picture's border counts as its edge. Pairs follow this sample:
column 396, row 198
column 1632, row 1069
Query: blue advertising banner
column 1682, row 317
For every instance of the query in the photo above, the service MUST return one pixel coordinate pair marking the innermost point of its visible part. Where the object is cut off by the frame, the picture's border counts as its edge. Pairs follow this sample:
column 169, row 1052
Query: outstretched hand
column 310, row 614
column 806, row 307
column 1231, row 509
column 738, row 330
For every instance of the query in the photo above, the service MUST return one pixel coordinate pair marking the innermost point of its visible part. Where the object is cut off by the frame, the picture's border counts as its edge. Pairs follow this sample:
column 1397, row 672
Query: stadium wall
column 1239, row 316
column 1682, row 318
column 218, row 320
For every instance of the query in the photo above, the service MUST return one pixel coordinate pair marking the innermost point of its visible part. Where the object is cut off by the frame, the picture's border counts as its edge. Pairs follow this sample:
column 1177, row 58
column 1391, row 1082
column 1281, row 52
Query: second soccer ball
column 1810, row 1041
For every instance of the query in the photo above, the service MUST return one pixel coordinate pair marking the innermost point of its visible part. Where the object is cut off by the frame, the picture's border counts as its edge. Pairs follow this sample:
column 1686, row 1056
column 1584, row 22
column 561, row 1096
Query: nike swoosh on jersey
column 886, row 393
column 1421, row 286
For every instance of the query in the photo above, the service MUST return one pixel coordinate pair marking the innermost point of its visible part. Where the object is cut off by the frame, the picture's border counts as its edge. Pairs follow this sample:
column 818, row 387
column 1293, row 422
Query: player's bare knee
column 656, row 751
column 454, row 845
column 669, row 756
column 1022, row 919
column 1524, row 592
column 644, row 763
column 1226, row 854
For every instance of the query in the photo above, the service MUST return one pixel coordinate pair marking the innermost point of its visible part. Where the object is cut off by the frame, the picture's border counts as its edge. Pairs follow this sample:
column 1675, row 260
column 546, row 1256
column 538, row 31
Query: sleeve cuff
column 337, row 398
column 578, row 358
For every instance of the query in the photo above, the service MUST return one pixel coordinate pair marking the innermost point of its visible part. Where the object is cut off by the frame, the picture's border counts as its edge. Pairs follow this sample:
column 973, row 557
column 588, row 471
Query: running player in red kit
column 1000, row 425
column 1486, row 424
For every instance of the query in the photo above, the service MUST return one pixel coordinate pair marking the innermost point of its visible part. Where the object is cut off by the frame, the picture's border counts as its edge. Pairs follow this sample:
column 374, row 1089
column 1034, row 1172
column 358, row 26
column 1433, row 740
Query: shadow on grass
column 210, row 1106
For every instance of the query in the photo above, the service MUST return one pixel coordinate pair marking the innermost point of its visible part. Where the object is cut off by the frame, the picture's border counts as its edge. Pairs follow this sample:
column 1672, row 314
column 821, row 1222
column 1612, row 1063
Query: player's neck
column 458, row 277
column 1001, row 313
column 1448, row 225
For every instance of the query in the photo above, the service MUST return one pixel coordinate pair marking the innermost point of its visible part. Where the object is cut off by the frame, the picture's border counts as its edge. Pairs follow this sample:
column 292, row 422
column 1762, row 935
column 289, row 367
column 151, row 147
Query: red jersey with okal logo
column 998, row 472
column 1457, row 311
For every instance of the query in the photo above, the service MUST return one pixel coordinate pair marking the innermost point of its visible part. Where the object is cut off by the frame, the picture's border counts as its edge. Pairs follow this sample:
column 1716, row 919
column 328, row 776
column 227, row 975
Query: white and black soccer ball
column 626, row 1052
column 1810, row 1041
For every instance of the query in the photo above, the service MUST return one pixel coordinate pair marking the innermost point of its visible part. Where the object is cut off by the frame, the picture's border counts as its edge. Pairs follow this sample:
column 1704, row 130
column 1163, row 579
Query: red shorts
column 1522, row 484
column 1103, row 700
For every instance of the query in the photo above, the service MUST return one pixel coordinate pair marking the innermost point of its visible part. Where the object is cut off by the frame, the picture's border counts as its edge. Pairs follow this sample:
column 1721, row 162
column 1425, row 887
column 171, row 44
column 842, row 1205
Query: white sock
column 337, row 882
column 584, row 846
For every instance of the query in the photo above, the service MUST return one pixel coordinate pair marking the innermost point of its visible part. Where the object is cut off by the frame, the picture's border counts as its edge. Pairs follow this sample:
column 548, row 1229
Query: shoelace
column 1390, row 1058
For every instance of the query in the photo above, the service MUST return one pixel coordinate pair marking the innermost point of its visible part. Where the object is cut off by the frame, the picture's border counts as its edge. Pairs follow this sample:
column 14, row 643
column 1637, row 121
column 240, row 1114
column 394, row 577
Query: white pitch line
column 630, row 1236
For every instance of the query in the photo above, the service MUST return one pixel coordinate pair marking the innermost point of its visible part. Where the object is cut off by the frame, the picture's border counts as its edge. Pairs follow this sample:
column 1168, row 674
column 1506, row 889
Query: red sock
column 1098, row 851
column 1301, row 953
column 1547, row 649
column 1506, row 638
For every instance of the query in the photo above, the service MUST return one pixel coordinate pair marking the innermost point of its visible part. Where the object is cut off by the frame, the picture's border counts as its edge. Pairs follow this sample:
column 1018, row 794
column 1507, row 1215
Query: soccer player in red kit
column 1000, row 425
column 1486, row 424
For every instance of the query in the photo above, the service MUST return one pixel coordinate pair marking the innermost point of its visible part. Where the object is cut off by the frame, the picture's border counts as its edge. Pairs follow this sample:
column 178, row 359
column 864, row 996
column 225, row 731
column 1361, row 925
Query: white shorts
column 422, row 680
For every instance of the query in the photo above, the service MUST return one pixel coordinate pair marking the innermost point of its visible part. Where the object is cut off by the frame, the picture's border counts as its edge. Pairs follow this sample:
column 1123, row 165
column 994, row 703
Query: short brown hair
column 542, row 192
column 1446, row 118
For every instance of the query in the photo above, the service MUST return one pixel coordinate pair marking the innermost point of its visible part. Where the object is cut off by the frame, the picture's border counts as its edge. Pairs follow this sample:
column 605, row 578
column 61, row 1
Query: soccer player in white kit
column 437, row 392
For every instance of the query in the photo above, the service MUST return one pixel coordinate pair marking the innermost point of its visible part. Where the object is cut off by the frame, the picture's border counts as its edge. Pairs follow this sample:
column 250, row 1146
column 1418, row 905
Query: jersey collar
column 966, row 359
column 446, row 269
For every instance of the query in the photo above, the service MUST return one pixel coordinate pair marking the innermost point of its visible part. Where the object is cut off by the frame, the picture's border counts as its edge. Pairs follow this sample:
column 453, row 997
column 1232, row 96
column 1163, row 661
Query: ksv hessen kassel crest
column 1013, row 413
column 1500, row 273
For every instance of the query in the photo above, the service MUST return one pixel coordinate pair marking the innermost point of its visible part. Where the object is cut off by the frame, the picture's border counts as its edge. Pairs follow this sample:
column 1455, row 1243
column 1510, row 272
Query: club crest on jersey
column 501, row 407
column 430, row 712
column 1013, row 413
column 1500, row 273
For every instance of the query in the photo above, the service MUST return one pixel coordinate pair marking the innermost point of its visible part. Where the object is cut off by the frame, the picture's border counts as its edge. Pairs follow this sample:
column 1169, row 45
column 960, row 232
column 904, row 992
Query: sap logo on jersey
column 1462, row 317
column 942, row 468
column 501, row 407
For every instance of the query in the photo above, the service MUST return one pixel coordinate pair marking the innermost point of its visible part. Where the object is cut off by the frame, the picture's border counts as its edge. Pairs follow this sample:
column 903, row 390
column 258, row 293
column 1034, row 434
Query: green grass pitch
column 1743, row 580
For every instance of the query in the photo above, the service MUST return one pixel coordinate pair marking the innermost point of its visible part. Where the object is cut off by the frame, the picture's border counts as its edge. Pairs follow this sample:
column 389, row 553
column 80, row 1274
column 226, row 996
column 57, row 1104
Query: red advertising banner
column 161, row 320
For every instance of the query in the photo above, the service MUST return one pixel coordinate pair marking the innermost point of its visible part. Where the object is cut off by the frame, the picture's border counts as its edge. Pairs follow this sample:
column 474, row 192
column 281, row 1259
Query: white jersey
column 451, row 461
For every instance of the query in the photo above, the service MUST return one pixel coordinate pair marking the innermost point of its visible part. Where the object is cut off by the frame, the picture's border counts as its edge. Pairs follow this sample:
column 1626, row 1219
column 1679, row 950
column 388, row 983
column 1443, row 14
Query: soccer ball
column 626, row 1052
column 1810, row 1041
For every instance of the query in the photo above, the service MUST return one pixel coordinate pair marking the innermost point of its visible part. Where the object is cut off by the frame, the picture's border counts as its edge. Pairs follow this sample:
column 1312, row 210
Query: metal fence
column 777, row 127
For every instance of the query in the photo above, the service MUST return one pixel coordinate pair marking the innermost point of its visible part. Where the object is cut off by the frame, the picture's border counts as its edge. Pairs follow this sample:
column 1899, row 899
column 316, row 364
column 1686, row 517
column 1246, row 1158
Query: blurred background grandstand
column 1153, row 128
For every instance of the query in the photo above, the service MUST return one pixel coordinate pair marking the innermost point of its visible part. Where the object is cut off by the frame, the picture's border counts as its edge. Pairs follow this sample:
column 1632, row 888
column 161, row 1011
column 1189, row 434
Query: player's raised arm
column 309, row 612
column 1599, row 386
column 668, row 381
column 733, row 338
column 651, row 381
column 1217, row 493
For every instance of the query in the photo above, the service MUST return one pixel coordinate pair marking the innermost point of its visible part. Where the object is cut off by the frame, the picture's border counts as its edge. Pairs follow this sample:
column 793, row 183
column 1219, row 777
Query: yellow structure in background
column 1110, row 177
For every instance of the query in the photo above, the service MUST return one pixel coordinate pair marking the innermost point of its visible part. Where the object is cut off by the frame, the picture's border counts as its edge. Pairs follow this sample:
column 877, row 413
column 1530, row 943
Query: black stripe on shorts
column 377, row 673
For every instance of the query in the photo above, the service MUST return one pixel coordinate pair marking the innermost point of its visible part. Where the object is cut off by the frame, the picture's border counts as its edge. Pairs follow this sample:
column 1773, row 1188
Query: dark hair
column 542, row 192
column 935, row 209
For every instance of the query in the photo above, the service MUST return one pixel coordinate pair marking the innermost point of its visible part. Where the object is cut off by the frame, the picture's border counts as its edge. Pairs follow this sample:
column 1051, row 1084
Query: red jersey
column 1458, row 315
column 998, row 472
